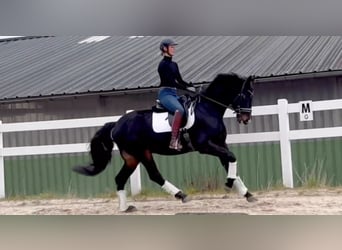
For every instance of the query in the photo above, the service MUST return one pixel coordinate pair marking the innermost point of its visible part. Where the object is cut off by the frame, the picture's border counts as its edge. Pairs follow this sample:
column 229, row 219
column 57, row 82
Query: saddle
column 185, row 100
column 162, row 119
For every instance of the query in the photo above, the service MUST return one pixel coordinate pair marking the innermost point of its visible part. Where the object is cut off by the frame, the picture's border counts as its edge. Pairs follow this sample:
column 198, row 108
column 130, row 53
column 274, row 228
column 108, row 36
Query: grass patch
column 314, row 176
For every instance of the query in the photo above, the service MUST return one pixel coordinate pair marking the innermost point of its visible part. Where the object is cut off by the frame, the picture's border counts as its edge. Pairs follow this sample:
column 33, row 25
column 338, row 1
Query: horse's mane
column 223, row 82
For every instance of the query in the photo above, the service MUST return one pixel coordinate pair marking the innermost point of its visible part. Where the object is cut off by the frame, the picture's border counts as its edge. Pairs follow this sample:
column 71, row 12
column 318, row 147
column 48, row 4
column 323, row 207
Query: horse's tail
column 101, row 146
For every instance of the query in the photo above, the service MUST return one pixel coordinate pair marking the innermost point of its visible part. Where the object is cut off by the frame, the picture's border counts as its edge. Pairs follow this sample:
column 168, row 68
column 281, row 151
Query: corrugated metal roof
column 45, row 66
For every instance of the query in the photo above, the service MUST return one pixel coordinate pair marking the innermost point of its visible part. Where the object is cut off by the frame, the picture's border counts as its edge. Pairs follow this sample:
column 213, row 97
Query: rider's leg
column 176, row 125
column 171, row 103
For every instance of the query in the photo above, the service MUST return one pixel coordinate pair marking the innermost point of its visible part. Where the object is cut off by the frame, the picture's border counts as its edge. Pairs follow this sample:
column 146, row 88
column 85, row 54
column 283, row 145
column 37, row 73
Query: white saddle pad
column 160, row 123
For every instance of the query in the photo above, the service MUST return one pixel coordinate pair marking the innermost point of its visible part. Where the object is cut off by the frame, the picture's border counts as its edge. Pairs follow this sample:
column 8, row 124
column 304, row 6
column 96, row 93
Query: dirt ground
column 282, row 202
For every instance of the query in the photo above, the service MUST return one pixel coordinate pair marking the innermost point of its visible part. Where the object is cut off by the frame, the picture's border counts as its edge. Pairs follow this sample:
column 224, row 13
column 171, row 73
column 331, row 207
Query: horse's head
column 232, row 91
column 242, row 104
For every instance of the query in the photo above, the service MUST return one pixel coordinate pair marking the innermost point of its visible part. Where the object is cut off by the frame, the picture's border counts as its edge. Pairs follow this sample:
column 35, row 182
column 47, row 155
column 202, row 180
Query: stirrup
column 176, row 145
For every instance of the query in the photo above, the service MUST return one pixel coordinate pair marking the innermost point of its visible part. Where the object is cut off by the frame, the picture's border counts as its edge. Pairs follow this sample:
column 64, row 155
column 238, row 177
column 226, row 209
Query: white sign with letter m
column 306, row 113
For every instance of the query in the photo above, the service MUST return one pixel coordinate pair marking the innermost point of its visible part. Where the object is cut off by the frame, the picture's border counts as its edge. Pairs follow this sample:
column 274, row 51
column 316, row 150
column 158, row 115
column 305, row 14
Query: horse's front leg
column 229, row 162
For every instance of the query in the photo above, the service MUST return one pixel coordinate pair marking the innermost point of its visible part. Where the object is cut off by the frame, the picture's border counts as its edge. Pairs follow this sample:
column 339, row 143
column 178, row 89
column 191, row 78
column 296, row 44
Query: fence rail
column 284, row 136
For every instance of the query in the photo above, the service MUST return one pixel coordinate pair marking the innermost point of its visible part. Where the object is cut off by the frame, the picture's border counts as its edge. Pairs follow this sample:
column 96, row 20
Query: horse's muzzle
column 243, row 117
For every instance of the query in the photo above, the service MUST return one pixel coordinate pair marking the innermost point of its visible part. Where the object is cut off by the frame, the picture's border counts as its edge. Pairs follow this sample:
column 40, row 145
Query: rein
column 214, row 101
column 209, row 98
column 222, row 104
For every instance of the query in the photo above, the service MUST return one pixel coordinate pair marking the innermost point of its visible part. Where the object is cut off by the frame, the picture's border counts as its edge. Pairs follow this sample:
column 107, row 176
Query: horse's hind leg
column 154, row 175
column 121, row 178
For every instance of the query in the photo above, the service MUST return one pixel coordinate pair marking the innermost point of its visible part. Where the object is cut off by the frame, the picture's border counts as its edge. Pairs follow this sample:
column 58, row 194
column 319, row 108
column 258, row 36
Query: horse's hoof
column 131, row 209
column 186, row 199
column 181, row 196
column 88, row 170
column 250, row 197
column 81, row 170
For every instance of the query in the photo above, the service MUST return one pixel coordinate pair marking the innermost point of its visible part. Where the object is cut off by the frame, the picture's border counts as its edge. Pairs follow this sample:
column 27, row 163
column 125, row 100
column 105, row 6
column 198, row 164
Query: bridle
column 241, row 96
column 238, row 99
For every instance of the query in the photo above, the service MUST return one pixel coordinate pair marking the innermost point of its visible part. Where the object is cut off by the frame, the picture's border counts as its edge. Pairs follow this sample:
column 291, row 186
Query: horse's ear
column 250, row 80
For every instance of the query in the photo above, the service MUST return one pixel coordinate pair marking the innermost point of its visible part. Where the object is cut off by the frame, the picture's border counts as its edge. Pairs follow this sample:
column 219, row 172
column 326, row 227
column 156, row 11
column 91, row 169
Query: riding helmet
column 166, row 43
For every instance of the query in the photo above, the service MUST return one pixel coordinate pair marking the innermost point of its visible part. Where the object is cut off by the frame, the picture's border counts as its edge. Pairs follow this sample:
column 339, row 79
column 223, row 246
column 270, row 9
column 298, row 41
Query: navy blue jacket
column 170, row 75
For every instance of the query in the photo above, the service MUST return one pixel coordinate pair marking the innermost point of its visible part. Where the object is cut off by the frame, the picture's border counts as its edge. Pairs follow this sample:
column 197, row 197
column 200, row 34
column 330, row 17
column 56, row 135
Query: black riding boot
column 176, row 124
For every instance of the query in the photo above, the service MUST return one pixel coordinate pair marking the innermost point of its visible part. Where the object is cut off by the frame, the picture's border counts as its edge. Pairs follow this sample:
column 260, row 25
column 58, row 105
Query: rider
column 170, row 81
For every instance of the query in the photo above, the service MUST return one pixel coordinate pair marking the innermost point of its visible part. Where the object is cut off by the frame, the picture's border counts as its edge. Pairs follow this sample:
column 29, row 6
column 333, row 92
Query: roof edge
column 12, row 39
column 75, row 95
column 298, row 76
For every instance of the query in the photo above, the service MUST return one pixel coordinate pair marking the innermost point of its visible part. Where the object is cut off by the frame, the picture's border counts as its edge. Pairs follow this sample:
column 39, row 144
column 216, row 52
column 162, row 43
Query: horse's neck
column 212, row 108
column 215, row 102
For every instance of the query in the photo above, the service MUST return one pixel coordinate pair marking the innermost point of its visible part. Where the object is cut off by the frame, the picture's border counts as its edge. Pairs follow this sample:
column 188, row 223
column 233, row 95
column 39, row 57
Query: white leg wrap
column 232, row 170
column 239, row 186
column 122, row 200
column 170, row 188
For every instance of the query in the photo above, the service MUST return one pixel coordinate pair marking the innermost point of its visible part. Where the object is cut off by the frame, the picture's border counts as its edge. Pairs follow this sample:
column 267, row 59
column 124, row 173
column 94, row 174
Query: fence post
column 135, row 178
column 136, row 181
column 285, row 143
column 2, row 165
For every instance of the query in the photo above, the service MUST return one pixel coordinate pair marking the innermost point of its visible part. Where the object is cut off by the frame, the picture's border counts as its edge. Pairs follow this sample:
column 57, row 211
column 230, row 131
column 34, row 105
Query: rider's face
column 171, row 50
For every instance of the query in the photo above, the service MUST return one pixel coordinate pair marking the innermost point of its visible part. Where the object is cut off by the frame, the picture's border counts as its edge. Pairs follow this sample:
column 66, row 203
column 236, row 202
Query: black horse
column 137, row 140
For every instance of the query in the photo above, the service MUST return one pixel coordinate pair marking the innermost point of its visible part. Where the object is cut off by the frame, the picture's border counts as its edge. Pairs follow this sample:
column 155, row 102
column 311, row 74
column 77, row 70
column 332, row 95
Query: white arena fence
column 284, row 136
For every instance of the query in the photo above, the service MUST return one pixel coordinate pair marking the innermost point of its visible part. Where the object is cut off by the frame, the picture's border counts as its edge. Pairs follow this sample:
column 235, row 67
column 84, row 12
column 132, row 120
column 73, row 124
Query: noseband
column 240, row 97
